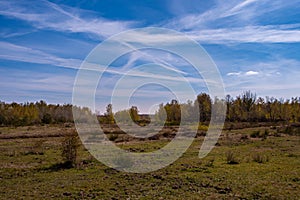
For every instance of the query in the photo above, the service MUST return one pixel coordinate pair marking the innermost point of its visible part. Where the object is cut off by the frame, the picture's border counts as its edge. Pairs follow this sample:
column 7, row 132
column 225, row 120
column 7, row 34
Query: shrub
column 292, row 129
column 277, row 133
column 123, row 162
column 258, row 134
column 37, row 147
column 70, row 145
column 254, row 134
column 210, row 162
column 202, row 127
column 288, row 130
column 47, row 118
column 230, row 158
column 113, row 137
column 266, row 133
column 244, row 137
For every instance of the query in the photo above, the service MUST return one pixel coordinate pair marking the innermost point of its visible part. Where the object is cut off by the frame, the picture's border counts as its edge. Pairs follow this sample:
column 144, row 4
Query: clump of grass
column 244, row 137
column 113, row 137
column 260, row 158
column 231, row 158
column 168, row 133
column 291, row 155
column 123, row 162
column 255, row 134
column 68, row 125
column 36, row 148
column 277, row 133
column 265, row 134
column 210, row 162
column 288, row 130
column 293, row 129
column 248, row 159
column 258, row 134
column 202, row 127
column 12, row 153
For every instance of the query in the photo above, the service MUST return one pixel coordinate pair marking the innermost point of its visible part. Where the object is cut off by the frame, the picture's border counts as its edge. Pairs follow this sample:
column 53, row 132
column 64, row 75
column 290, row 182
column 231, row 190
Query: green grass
column 30, row 169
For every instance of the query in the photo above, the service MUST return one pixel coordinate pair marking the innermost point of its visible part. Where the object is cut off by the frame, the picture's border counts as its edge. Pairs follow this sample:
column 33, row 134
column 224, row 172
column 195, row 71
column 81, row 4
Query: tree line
column 15, row 114
column 246, row 107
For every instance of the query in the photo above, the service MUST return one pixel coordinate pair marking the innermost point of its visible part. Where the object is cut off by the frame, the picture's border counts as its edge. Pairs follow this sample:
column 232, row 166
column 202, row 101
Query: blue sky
column 254, row 43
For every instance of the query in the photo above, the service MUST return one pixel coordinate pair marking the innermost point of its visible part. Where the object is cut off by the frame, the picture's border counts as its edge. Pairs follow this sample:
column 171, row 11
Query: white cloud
column 233, row 73
column 251, row 73
column 243, row 74
column 277, row 78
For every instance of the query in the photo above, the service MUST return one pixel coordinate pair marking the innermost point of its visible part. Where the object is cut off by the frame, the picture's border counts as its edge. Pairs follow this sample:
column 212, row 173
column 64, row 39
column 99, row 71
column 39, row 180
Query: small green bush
column 288, row 130
column 260, row 158
column 255, row 134
column 123, row 162
column 69, row 146
column 113, row 137
column 231, row 158
column 266, row 133
column 47, row 118
column 210, row 162
column 37, row 147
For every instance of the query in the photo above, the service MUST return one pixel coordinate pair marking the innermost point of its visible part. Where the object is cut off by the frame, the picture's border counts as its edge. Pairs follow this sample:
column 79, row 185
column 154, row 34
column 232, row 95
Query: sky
column 255, row 45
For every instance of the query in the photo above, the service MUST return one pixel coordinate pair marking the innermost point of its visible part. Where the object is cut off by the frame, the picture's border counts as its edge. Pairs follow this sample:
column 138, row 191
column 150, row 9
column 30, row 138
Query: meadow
column 247, row 163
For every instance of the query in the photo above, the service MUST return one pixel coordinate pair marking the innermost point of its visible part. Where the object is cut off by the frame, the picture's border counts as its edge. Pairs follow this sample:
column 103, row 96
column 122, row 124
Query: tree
column 109, row 114
column 189, row 112
column 173, row 112
column 229, row 111
column 160, row 114
column 270, row 108
column 134, row 114
column 248, row 100
column 122, row 116
column 204, row 102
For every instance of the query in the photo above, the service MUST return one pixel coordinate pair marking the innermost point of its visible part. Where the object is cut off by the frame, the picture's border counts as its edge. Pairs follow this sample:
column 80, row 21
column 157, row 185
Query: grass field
column 245, row 164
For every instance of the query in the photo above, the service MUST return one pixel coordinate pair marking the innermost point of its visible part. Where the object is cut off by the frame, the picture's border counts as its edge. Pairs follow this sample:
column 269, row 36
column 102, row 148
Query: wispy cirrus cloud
column 248, row 34
column 164, row 59
column 236, row 22
column 236, row 13
column 9, row 51
column 47, row 15
column 225, row 27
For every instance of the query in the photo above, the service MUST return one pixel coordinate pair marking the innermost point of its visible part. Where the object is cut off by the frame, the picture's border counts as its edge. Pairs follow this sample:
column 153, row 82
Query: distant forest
column 243, row 108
